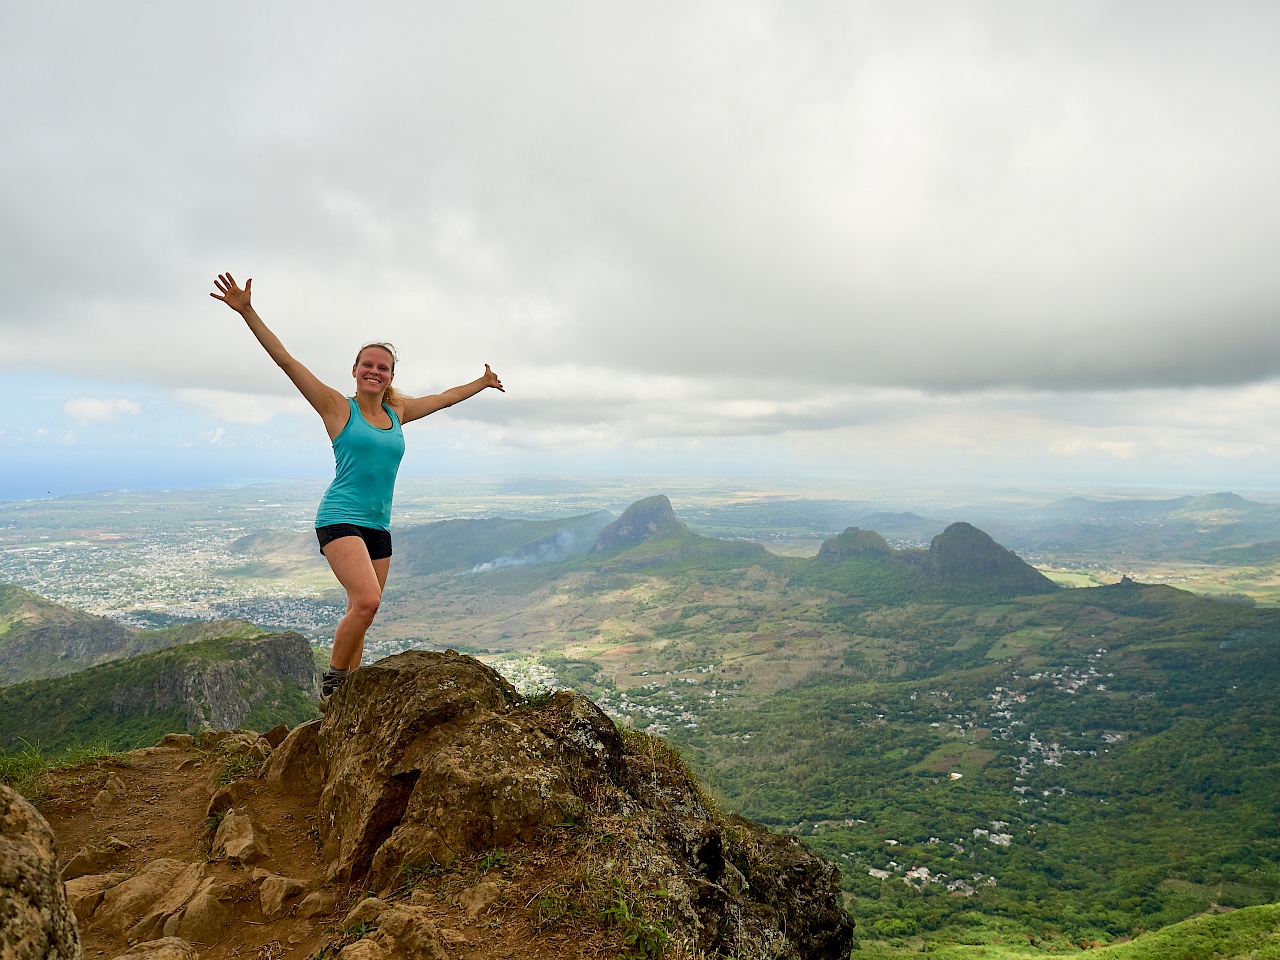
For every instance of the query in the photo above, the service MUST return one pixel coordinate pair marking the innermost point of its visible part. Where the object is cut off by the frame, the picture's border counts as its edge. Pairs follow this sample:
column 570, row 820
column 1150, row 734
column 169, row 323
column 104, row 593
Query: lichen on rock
column 36, row 920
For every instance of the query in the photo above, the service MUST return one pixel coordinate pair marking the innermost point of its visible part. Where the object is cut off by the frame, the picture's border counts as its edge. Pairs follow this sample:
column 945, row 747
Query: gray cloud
column 934, row 196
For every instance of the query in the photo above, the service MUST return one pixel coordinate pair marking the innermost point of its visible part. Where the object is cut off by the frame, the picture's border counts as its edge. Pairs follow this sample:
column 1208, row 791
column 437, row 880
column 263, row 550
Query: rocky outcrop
column 430, row 765
column 427, row 758
column 643, row 520
column 410, row 743
column 94, row 858
column 36, row 919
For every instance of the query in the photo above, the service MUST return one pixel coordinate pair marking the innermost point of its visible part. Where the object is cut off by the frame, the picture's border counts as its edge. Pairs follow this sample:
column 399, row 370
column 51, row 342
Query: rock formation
column 962, row 560
column 36, row 922
column 648, row 535
column 428, row 757
column 46, row 639
column 430, row 765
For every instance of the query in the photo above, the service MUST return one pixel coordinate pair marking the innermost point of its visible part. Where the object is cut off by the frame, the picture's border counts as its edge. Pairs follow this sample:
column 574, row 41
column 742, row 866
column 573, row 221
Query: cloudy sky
column 986, row 241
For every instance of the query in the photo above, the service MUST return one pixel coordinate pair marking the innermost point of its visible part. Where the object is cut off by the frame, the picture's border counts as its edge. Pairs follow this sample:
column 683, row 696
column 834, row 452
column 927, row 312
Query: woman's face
column 373, row 371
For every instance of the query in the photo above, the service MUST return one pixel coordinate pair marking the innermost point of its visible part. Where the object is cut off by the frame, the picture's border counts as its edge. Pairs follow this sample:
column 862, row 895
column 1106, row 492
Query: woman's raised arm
column 328, row 402
column 415, row 408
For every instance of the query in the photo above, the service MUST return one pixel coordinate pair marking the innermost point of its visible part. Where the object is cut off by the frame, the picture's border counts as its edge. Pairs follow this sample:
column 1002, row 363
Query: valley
column 985, row 756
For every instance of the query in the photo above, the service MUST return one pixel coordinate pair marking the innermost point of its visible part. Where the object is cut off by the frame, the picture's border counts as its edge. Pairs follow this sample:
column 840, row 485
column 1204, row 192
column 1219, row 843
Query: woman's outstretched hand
column 491, row 379
column 231, row 294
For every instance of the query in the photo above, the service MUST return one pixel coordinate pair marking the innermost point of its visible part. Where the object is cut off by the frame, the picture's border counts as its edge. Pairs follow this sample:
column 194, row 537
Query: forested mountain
column 40, row 638
column 217, row 682
column 962, row 561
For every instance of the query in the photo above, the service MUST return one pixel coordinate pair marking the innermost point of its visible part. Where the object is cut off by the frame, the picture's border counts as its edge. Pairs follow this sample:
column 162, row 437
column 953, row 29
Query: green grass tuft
column 26, row 770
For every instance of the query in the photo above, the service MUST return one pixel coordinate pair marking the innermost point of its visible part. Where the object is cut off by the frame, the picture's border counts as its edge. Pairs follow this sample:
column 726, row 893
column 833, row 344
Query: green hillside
column 1265, row 552
column 1252, row 933
column 40, row 638
column 218, row 682
column 458, row 545
column 1092, row 761
column 968, row 742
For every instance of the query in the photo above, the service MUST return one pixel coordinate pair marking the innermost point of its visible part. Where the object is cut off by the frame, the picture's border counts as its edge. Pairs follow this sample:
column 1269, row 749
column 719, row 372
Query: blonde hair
column 391, row 393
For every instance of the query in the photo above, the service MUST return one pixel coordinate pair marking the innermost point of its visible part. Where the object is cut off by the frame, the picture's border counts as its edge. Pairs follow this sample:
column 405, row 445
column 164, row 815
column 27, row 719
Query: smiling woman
column 353, row 521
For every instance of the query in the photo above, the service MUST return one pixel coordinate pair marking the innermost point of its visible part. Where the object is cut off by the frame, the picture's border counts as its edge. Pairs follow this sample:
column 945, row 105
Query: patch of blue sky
column 61, row 435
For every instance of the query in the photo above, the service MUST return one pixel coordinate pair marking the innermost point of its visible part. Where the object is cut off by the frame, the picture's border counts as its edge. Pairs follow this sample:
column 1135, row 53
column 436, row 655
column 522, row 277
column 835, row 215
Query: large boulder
column 428, row 758
column 36, row 920
column 425, row 759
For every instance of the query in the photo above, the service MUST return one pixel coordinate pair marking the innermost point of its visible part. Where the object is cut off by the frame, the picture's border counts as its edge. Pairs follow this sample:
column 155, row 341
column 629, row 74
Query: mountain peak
column 641, row 521
column 963, row 555
column 853, row 543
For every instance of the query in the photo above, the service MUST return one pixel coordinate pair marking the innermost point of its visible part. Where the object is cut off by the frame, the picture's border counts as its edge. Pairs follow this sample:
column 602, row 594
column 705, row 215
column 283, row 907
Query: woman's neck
column 370, row 405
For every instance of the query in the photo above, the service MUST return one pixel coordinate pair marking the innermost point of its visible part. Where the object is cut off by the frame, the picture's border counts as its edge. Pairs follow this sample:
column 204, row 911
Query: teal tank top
column 366, row 459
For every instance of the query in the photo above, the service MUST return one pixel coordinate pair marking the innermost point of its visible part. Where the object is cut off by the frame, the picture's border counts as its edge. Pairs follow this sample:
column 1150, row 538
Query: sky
column 991, row 242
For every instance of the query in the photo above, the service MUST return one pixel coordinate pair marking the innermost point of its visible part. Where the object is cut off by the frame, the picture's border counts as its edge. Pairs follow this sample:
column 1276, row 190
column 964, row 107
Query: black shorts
column 378, row 541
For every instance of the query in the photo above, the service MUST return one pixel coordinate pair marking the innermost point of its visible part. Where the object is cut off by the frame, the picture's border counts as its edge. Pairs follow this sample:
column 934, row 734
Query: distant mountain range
column 960, row 560
column 1178, row 529
column 1215, row 505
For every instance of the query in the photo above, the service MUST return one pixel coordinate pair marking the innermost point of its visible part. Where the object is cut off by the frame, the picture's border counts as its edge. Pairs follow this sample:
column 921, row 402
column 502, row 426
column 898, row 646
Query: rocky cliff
column 434, row 813
column 218, row 683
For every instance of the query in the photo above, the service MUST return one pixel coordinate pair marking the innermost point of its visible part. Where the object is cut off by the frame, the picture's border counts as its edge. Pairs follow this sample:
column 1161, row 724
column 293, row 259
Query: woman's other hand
column 231, row 294
column 491, row 379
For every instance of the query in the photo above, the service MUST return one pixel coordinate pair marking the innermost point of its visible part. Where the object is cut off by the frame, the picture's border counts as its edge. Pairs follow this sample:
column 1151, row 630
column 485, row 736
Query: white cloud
column 86, row 410
column 238, row 407
column 669, row 225
column 897, row 195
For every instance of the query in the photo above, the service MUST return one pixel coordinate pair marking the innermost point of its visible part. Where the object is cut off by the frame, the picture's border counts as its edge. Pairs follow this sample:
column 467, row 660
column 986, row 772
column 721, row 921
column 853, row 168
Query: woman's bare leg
column 363, row 579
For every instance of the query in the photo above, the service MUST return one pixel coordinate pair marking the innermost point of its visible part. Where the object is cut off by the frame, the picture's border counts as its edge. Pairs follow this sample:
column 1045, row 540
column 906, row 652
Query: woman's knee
column 364, row 606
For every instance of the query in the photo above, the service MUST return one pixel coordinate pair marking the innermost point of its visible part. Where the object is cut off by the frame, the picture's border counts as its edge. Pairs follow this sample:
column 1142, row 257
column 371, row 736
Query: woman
column 353, row 521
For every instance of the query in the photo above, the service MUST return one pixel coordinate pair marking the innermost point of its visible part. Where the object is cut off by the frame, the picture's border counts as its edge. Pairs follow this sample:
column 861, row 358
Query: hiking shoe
column 328, row 687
